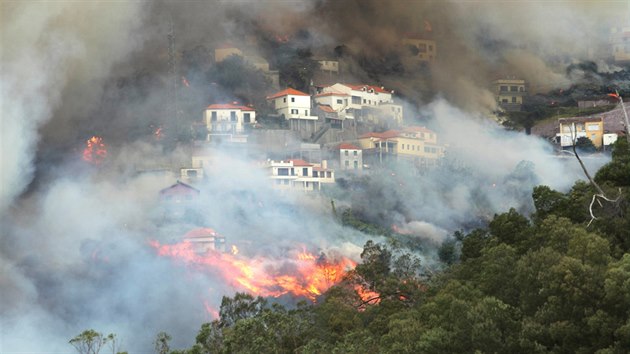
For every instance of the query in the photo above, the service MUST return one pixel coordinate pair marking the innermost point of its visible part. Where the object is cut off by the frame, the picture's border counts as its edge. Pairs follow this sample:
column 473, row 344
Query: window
column 504, row 88
column 294, row 111
column 306, row 112
column 315, row 174
column 346, row 152
column 427, row 149
column 233, row 116
column 513, row 88
column 521, row 89
column 347, row 163
column 191, row 173
column 356, row 100
column 422, row 48
column 355, row 153
column 213, row 116
column 283, row 172
column 305, row 172
column 292, row 99
column 356, row 165
column 247, row 118
column 513, row 99
column 592, row 127
column 284, row 100
column 339, row 102
column 430, row 48
column 328, row 174
column 504, row 100
column 364, row 100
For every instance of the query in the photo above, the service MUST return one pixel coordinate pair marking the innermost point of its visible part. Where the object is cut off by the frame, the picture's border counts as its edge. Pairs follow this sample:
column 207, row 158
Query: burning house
column 205, row 239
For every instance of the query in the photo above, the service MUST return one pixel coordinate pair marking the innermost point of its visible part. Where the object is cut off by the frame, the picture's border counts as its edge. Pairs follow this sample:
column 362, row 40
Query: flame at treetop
column 305, row 275
column 95, row 150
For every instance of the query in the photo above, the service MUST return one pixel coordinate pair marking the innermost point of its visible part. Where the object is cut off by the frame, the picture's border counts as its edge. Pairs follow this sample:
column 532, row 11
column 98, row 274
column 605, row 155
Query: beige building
column 416, row 144
column 421, row 47
column 509, row 93
column 573, row 128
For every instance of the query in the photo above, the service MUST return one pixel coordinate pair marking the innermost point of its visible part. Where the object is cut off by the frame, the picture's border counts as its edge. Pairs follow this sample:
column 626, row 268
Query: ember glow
column 304, row 275
column 95, row 150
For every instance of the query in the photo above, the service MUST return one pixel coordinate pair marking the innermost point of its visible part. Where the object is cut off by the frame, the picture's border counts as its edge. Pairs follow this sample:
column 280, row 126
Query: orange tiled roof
column 346, row 146
column 201, row 233
column 287, row 92
column 384, row 135
column 229, row 106
column 326, row 108
column 300, row 163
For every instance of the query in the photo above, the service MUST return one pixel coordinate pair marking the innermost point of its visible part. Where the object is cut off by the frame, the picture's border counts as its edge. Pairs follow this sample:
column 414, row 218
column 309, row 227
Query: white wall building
column 228, row 120
column 365, row 101
column 295, row 106
column 350, row 157
column 296, row 174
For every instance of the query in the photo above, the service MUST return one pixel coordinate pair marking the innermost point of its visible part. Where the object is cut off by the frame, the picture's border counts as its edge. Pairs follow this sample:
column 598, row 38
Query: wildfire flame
column 158, row 133
column 234, row 250
column 304, row 275
column 95, row 150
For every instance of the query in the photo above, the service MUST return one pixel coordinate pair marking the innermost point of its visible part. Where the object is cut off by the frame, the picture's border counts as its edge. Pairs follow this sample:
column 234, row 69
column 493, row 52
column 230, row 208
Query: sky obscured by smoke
column 73, row 249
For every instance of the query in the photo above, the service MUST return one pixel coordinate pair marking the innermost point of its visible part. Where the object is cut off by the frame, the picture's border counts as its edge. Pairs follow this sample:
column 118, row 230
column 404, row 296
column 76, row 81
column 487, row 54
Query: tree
column 91, row 342
column 161, row 343
column 584, row 144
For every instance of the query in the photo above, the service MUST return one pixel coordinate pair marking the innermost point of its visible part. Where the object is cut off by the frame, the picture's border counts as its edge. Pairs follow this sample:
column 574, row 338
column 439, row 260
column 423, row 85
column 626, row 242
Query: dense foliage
column 555, row 282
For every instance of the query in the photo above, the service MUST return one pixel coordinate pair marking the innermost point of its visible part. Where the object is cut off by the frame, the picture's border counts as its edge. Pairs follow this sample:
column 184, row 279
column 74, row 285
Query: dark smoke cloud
column 74, row 252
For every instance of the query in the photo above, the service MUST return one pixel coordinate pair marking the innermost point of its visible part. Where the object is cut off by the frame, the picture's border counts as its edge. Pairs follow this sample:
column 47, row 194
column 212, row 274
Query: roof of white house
column 229, row 106
column 346, row 146
column 287, row 92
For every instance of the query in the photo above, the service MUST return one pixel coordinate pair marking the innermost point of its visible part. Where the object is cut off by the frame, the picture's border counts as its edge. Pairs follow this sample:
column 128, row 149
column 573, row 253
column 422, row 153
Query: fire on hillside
column 302, row 274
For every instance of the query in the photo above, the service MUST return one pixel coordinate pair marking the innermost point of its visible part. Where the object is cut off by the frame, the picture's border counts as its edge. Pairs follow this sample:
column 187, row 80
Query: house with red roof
column 350, row 157
column 295, row 107
column 417, row 144
column 228, row 121
column 297, row 174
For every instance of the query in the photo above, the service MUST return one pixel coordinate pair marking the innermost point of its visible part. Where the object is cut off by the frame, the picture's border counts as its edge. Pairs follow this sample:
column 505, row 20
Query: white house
column 298, row 174
column 365, row 101
column 228, row 120
column 350, row 157
column 295, row 106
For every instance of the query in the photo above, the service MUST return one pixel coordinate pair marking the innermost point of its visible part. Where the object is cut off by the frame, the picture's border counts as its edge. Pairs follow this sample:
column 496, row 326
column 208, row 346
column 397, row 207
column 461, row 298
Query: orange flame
column 302, row 276
column 158, row 133
column 95, row 150
column 234, row 250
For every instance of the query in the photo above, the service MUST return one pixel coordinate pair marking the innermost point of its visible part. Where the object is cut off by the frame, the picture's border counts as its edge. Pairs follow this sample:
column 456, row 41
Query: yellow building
column 421, row 47
column 509, row 93
column 417, row 144
column 573, row 128
column 223, row 52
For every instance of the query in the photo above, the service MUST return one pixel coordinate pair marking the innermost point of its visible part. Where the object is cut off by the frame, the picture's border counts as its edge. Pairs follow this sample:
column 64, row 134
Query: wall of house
column 427, row 50
column 350, row 159
column 224, row 122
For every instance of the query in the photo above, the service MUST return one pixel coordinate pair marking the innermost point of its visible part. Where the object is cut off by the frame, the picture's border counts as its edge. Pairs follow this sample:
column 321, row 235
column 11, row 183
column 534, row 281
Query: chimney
column 325, row 164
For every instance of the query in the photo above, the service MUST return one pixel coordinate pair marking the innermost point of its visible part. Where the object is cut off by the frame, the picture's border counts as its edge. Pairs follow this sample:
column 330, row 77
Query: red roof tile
column 300, row 163
column 287, row 92
column 384, row 135
column 326, row 108
column 201, row 232
column 346, row 146
column 229, row 106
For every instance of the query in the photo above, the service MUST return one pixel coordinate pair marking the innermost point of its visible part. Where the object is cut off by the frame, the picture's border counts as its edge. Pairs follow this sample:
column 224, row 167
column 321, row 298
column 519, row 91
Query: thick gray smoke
column 74, row 249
